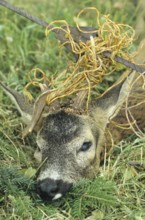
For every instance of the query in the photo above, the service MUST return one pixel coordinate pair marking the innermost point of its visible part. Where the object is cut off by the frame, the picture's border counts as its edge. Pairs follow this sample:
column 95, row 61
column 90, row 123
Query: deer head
column 69, row 143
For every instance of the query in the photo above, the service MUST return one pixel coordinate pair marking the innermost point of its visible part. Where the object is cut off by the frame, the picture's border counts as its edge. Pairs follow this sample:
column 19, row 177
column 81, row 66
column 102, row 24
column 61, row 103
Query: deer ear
column 111, row 101
column 23, row 105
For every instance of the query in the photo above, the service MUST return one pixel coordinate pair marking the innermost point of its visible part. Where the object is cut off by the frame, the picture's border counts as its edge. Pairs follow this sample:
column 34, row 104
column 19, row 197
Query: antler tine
column 40, row 108
column 79, row 100
column 45, row 88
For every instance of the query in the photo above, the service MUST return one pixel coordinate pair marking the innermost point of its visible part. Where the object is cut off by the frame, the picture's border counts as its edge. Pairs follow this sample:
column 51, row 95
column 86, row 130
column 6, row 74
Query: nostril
column 47, row 188
column 50, row 189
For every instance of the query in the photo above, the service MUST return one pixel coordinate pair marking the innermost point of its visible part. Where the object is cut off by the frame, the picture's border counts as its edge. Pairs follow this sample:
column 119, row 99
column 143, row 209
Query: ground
column 118, row 191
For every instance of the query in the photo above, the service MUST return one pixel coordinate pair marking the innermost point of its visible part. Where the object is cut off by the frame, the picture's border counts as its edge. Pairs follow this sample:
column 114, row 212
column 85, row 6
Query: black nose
column 50, row 189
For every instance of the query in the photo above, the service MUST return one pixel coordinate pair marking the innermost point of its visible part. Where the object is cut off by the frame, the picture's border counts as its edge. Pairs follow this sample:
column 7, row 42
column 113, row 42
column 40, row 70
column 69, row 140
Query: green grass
column 118, row 192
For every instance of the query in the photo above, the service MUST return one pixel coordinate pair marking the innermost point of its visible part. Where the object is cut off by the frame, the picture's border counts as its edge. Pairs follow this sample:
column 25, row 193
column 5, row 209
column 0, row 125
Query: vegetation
column 118, row 191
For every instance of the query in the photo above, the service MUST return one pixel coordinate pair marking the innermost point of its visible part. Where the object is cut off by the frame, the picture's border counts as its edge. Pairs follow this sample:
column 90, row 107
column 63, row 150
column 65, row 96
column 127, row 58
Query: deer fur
column 70, row 144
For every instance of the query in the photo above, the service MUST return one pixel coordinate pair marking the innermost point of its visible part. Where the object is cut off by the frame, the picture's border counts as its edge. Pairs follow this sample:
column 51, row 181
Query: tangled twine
column 91, row 66
column 89, row 69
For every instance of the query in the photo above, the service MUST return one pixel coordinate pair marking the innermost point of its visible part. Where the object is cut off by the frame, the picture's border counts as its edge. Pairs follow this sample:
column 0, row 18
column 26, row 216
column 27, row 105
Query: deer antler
column 77, row 35
column 79, row 100
column 39, row 108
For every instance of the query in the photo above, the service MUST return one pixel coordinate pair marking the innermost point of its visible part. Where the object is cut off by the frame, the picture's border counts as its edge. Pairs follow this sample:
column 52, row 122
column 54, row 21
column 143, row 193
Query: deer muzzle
column 50, row 189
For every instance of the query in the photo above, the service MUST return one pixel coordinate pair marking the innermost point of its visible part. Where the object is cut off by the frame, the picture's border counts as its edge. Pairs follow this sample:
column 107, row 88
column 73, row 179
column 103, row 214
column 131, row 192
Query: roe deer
column 70, row 143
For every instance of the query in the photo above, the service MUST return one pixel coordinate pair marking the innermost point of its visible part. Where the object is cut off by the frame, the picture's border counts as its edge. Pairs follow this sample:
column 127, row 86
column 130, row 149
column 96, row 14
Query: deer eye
column 86, row 146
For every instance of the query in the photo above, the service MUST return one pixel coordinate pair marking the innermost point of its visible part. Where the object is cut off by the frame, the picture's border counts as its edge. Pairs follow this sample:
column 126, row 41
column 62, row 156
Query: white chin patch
column 57, row 196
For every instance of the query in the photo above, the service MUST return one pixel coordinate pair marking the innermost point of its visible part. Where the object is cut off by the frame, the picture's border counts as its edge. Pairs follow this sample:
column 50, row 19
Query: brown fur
column 70, row 143
column 120, row 127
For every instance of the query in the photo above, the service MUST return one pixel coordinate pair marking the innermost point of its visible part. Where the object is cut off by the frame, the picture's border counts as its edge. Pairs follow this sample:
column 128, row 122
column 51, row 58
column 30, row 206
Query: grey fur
column 62, row 135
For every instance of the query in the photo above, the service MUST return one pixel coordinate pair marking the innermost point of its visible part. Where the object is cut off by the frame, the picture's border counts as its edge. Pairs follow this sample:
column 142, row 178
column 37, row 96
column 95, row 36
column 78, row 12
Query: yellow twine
column 91, row 66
